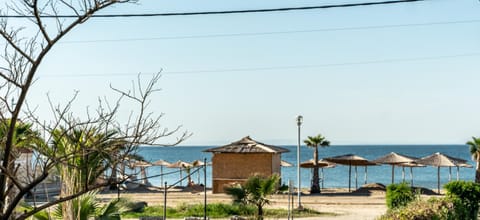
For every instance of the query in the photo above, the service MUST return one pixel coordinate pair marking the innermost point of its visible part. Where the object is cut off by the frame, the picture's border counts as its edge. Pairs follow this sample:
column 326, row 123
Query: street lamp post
column 299, row 123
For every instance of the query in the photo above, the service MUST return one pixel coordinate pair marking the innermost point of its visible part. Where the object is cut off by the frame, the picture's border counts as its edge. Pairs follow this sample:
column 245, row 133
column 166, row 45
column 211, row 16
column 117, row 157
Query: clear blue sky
column 352, row 81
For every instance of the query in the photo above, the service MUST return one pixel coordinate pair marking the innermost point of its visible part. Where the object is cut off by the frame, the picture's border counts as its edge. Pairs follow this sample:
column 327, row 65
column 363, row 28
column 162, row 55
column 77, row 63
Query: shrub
column 466, row 196
column 399, row 195
column 437, row 209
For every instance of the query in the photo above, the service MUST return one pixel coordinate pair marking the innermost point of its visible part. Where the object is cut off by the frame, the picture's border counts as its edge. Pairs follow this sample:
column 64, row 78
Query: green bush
column 432, row 209
column 219, row 210
column 399, row 195
column 466, row 196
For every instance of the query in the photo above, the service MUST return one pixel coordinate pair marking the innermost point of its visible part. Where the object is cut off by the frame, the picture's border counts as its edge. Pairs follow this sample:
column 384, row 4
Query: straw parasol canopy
column 461, row 163
column 394, row 159
column 142, row 164
column 465, row 165
column 161, row 164
column 350, row 160
column 441, row 160
column 320, row 164
column 285, row 164
column 198, row 163
column 181, row 165
column 139, row 163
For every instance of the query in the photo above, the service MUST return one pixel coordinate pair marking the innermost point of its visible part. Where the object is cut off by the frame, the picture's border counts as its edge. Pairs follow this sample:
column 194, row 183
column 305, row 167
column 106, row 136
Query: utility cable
column 415, row 59
column 274, row 32
column 222, row 12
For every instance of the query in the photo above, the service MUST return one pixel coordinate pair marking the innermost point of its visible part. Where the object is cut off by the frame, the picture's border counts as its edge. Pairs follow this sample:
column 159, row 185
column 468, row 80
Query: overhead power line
column 273, row 32
column 222, row 12
column 269, row 68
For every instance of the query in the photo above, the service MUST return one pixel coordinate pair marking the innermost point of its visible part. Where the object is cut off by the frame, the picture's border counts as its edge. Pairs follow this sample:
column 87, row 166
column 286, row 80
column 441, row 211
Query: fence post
column 288, row 197
column 290, row 194
column 165, row 201
column 205, row 188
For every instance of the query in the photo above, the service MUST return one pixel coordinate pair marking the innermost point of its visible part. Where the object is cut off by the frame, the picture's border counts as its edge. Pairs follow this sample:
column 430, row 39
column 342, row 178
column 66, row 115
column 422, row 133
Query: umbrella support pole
column 411, row 176
column 458, row 171
column 323, row 178
column 165, row 201
column 349, row 177
column 438, row 179
column 449, row 174
column 356, row 178
column 161, row 175
column 365, row 174
column 403, row 174
column 393, row 173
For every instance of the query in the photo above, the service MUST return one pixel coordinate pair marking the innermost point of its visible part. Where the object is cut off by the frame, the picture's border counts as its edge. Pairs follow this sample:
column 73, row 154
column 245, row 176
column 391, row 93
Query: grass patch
column 219, row 210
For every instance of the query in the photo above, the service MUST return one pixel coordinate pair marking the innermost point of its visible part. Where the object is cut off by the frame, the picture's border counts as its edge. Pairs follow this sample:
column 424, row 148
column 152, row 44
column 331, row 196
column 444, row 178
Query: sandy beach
column 345, row 205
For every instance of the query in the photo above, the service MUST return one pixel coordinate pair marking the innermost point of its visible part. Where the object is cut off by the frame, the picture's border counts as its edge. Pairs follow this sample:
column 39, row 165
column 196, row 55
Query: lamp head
column 299, row 120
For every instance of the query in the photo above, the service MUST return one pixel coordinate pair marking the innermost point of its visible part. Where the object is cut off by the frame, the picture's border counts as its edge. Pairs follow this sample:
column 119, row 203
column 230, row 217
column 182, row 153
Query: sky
column 388, row 74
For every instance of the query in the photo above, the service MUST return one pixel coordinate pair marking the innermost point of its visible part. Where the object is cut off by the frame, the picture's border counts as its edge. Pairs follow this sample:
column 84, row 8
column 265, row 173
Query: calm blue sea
column 334, row 177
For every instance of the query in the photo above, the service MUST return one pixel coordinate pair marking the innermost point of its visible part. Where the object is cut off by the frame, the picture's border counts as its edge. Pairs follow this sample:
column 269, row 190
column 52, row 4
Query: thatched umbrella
column 198, row 163
column 350, row 160
column 161, row 163
column 320, row 164
column 181, row 165
column 394, row 159
column 143, row 172
column 440, row 160
column 461, row 163
column 411, row 165
column 466, row 165
column 285, row 164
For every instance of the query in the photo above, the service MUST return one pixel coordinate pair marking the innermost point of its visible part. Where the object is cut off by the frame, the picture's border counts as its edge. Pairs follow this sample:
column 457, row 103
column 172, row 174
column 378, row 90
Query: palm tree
column 88, row 153
column 255, row 191
column 314, row 142
column 24, row 137
column 475, row 152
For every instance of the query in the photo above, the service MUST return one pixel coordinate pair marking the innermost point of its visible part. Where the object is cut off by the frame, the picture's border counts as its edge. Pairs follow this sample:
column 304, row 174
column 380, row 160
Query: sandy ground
column 345, row 205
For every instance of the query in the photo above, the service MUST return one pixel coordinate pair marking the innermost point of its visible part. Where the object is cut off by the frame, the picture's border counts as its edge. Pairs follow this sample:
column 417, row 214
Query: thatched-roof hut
column 236, row 162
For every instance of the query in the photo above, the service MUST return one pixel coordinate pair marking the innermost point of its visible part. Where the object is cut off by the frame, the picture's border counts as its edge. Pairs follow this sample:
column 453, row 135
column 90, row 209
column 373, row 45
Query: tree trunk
column 260, row 212
column 477, row 173
column 316, row 180
column 114, row 185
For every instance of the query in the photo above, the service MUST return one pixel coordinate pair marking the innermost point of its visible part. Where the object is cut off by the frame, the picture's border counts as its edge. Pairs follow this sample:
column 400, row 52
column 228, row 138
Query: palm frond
column 238, row 194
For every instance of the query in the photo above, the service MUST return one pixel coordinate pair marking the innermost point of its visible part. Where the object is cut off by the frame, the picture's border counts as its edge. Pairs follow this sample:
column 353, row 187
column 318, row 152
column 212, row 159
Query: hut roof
column 247, row 145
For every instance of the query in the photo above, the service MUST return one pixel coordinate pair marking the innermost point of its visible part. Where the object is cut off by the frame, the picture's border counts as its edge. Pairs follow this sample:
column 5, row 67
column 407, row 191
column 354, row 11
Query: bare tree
column 25, row 48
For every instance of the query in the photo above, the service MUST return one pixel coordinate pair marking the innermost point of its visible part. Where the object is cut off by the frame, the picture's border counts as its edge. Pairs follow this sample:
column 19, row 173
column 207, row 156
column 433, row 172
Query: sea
column 336, row 177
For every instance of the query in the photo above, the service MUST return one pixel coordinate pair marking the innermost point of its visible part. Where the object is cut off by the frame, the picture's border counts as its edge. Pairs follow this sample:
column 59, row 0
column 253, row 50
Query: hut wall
column 276, row 160
column 231, row 168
